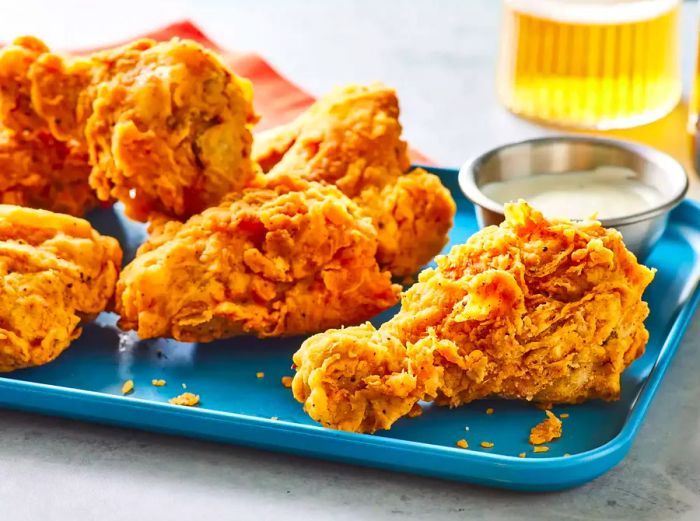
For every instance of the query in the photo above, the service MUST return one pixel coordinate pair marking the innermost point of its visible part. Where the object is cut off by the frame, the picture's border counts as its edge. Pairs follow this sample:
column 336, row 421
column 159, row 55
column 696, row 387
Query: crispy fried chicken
column 55, row 272
column 548, row 311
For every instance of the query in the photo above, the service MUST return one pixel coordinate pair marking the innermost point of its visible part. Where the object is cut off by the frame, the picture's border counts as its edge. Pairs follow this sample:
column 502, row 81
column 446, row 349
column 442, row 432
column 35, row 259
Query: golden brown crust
column 174, row 128
column 16, row 109
column 39, row 171
column 413, row 216
column 284, row 259
column 352, row 138
column 533, row 309
column 167, row 125
column 55, row 271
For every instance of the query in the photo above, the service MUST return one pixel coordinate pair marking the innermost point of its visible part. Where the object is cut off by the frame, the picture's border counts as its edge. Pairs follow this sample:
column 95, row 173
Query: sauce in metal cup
column 657, row 182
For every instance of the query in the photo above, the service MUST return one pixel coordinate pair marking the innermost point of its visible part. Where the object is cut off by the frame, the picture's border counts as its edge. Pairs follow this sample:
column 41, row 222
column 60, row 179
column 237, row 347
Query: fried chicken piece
column 55, row 272
column 288, row 258
column 352, row 138
column 546, row 431
column 167, row 125
column 39, row 171
column 549, row 311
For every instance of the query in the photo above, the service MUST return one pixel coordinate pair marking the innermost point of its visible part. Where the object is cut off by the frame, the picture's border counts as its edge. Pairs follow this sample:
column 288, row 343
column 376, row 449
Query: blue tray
column 237, row 407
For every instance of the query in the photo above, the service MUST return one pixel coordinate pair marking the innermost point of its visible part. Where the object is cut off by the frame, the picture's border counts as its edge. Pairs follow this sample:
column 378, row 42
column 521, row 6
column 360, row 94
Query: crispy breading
column 413, row 216
column 547, row 430
column 39, row 171
column 352, row 138
column 16, row 109
column 167, row 125
column 55, row 272
column 549, row 311
column 289, row 258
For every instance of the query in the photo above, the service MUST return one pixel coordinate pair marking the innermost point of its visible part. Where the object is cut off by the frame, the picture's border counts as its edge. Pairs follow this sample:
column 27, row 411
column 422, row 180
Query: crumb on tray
column 547, row 430
column 260, row 374
column 287, row 381
column 540, row 448
column 128, row 387
column 486, row 444
column 158, row 382
column 462, row 444
column 186, row 399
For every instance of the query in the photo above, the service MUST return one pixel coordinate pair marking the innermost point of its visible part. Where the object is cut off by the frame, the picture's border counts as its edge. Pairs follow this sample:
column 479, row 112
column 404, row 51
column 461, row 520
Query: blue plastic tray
column 237, row 407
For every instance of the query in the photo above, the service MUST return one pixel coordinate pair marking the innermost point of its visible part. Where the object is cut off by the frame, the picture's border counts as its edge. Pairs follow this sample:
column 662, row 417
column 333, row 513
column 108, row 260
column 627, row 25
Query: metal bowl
column 561, row 154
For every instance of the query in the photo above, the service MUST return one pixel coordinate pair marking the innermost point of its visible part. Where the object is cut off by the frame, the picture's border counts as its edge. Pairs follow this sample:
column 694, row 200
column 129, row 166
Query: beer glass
column 596, row 64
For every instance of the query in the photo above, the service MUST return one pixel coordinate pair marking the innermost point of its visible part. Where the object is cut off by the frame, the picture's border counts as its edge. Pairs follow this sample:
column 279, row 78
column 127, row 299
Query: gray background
column 440, row 57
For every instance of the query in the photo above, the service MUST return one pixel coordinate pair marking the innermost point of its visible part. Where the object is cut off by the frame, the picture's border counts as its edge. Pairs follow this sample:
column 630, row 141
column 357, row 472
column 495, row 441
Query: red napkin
column 277, row 99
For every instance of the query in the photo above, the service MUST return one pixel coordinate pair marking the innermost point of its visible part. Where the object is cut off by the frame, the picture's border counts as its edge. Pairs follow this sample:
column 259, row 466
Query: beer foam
column 601, row 12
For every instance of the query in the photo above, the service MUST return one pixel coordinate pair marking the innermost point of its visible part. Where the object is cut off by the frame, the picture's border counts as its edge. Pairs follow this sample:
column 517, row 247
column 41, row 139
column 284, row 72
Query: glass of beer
column 597, row 64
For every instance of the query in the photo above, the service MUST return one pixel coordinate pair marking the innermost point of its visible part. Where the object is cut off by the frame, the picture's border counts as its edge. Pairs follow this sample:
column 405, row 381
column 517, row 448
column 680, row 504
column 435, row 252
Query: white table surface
column 440, row 57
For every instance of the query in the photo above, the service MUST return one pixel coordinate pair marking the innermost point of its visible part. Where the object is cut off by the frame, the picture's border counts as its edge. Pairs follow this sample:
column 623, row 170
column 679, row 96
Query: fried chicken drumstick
column 39, row 171
column 55, row 272
column 288, row 258
column 548, row 311
column 166, row 125
column 351, row 138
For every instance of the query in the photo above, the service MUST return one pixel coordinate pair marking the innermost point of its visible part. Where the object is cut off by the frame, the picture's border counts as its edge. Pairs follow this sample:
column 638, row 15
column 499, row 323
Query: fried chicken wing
column 55, row 272
column 287, row 258
column 548, row 311
column 352, row 138
column 39, row 171
column 167, row 125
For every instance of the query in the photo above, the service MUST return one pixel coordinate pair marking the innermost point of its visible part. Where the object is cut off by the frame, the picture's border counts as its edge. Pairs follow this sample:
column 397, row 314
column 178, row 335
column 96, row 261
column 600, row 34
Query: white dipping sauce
column 606, row 192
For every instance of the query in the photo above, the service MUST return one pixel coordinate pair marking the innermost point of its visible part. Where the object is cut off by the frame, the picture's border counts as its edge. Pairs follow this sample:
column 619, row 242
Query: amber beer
column 590, row 63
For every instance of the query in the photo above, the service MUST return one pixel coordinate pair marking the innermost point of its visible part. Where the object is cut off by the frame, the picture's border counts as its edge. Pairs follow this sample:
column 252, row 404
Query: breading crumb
column 260, row 374
column 186, row 399
column 274, row 418
column 462, row 444
column 566, row 454
column 546, row 431
column 564, row 415
column 486, row 444
column 287, row 381
column 128, row 387
column 522, row 455
column 415, row 411
column 540, row 448
column 489, row 410
column 158, row 382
